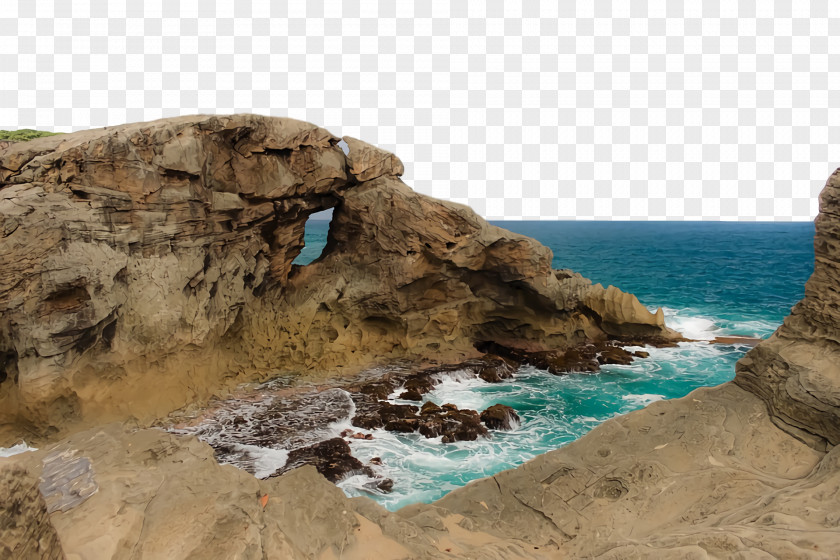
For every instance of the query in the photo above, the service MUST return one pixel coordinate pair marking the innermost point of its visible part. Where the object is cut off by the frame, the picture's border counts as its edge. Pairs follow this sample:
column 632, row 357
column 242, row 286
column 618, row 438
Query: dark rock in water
column 613, row 355
column 432, row 427
column 370, row 415
column 655, row 341
column 403, row 425
column 411, row 395
column 429, row 408
column 431, row 421
column 379, row 389
column 585, row 357
column 379, row 485
column 390, row 412
column 579, row 358
column 367, row 421
column 641, row 354
column 500, row 417
column 332, row 458
column 497, row 368
column 421, row 383
column 468, row 427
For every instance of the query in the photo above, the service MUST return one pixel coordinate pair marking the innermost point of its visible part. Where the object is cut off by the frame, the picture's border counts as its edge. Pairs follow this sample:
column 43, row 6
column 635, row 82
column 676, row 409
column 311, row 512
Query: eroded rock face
column 710, row 475
column 797, row 370
column 147, row 265
column 25, row 529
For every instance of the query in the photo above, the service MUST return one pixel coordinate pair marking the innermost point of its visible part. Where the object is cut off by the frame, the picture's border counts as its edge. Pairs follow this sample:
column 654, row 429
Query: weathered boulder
column 500, row 417
column 159, row 255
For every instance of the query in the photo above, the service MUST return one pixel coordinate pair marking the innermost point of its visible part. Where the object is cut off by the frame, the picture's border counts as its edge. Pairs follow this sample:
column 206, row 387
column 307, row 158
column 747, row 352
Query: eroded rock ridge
column 749, row 469
column 146, row 265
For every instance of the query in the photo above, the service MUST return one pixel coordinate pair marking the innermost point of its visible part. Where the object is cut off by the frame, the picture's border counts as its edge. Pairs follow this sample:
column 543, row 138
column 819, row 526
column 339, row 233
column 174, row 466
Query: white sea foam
column 696, row 328
column 756, row 329
column 702, row 327
column 641, row 400
column 16, row 449
column 463, row 392
column 260, row 461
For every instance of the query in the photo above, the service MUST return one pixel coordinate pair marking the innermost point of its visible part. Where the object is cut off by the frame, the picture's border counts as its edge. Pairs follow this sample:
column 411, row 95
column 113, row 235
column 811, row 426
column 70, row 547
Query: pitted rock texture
column 25, row 528
column 146, row 266
column 797, row 370
column 716, row 474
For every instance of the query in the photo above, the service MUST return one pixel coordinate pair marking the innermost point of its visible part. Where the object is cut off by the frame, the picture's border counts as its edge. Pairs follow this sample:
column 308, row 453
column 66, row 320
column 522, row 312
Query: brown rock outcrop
column 25, row 528
column 727, row 472
column 797, row 370
column 145, row 266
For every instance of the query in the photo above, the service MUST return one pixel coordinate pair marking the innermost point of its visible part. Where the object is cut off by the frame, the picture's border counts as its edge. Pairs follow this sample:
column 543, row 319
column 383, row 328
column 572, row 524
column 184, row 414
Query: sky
column 713, row 110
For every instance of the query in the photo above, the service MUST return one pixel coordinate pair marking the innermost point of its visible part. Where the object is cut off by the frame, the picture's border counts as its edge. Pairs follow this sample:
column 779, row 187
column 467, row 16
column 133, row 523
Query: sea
column 711, row 279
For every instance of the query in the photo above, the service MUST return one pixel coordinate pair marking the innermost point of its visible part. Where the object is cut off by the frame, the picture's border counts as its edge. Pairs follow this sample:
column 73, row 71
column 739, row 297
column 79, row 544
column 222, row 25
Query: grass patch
column 24, row 134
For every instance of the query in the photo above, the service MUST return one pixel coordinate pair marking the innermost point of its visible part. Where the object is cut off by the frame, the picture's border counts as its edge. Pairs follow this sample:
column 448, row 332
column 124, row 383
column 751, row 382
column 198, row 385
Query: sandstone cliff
column 146, row 266
column 745, row 470
column 797, row 371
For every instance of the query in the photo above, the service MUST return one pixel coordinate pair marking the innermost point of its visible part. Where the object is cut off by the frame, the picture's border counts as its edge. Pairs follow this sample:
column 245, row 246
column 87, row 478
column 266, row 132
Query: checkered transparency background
column 720, row 109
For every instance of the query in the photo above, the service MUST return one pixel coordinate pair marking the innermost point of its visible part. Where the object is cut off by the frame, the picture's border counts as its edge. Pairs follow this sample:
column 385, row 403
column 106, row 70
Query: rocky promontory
column 150, row 265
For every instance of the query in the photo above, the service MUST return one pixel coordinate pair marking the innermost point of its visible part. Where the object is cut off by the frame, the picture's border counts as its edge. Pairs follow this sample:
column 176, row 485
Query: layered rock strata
column 146, row 266
column 748, row 469
column 797, row 371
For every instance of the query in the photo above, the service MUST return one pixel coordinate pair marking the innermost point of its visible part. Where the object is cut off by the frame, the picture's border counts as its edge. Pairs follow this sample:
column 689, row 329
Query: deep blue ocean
column 711, row 279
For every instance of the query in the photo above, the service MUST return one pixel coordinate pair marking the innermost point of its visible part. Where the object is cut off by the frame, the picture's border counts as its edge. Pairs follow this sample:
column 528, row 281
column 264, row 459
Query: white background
column 720, row 109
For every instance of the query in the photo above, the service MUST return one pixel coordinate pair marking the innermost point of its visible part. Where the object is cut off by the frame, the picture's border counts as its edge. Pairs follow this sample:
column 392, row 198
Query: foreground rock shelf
column 150, row 266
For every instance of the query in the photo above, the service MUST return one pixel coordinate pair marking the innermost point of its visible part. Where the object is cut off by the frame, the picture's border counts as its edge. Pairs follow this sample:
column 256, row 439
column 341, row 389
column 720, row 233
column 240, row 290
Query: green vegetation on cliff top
column 24, row 134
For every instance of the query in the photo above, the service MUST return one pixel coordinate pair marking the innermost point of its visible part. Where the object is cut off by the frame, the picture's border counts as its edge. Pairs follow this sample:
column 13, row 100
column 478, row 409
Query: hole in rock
column 314, row 237
column 8, row 365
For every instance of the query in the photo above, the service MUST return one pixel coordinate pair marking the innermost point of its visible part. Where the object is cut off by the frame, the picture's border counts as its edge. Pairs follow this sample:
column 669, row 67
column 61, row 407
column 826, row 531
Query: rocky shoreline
column 148, row 267
column 294, row 424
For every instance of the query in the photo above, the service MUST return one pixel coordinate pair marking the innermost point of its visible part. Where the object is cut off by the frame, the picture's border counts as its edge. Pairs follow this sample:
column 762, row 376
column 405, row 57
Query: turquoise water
column 712, row 279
